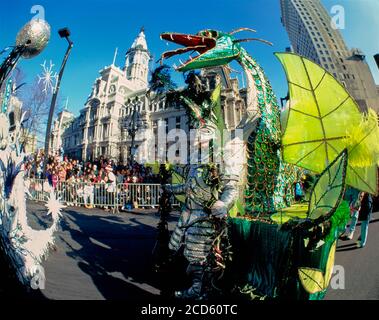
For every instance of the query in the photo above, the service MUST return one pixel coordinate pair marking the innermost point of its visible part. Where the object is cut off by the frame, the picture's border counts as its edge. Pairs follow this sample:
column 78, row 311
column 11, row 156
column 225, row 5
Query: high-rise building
column 313, row 35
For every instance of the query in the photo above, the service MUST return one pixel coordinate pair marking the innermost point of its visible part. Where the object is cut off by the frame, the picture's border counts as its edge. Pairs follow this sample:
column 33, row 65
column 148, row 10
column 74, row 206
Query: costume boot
column 196, row 272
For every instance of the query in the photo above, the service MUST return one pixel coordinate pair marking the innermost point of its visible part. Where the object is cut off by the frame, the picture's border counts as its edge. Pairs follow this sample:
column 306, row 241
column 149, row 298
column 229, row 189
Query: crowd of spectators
column 61, row 168
column 99, row 174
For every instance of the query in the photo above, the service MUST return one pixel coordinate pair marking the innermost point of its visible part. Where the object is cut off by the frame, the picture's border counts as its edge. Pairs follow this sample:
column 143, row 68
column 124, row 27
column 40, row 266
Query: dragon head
column 214, row 48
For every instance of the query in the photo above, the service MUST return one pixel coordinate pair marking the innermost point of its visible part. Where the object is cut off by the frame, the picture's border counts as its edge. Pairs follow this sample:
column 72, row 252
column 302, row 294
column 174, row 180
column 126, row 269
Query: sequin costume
column 272, row 256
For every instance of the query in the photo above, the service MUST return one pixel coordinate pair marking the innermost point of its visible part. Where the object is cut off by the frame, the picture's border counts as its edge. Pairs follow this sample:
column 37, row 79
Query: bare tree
column 18, row 77
column 36, row 105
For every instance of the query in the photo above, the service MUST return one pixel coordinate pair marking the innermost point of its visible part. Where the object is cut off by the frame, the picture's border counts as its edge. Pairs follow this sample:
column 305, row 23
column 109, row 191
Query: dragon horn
column 160, row 60
column 242, row 29
column 253, row 39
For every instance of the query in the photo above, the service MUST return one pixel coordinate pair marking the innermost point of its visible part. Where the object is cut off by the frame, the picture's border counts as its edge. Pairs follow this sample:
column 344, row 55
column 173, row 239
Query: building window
column 105, row 131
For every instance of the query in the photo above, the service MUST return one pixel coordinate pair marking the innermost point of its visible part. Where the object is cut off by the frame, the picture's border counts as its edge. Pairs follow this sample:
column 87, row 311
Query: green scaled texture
column 269, row 180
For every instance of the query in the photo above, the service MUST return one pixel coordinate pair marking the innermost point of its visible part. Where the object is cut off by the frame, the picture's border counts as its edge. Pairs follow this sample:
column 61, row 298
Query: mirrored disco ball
column 37, row 31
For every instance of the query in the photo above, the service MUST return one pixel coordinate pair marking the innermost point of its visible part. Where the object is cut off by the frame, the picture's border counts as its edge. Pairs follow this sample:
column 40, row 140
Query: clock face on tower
column 112, row 88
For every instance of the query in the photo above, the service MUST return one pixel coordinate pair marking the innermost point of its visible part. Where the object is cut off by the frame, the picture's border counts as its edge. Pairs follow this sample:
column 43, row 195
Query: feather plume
column 362, row 141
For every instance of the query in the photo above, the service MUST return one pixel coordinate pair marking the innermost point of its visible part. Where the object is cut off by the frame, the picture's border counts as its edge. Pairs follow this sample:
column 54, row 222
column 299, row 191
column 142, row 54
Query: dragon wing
column 328, row 190
column 322, row 120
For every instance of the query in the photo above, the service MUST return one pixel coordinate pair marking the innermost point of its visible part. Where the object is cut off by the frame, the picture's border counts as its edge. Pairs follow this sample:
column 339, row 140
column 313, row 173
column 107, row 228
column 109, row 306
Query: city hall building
column 101, row 129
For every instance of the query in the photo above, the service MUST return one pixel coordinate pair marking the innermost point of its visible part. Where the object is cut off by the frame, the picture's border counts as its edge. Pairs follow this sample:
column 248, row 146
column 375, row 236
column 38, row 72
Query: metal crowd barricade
column 100, row 195
column 39, row 189
column 138, row 194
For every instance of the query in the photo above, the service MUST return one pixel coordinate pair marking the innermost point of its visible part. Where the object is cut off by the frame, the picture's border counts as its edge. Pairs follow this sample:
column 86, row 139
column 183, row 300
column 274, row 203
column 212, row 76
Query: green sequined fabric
column 269, row 180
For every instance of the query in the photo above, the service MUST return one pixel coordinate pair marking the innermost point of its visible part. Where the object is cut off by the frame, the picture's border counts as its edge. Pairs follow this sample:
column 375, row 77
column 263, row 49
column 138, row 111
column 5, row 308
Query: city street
column 100, row 255
column 186, row 102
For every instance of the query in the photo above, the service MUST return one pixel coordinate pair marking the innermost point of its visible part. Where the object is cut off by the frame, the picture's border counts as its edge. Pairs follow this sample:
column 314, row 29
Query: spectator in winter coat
column 54, row 179
column 355, row 204
column 365, row 216
column 361, row 211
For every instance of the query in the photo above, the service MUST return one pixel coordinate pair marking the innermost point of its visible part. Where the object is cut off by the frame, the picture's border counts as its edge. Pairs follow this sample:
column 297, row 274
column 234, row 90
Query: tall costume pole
column 161, row 251
column 10, row 62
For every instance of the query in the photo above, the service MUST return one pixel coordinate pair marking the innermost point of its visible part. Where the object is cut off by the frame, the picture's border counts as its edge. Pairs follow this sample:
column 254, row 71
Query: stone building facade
column 101, row 127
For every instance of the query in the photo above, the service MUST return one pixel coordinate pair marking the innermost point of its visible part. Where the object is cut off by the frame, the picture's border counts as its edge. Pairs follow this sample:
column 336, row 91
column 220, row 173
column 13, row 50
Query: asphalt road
column 361, row 266
column 100, row 255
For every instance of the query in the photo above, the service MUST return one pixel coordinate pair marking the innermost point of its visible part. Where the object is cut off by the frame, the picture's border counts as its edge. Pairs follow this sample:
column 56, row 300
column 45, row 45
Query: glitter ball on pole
column 35, row 34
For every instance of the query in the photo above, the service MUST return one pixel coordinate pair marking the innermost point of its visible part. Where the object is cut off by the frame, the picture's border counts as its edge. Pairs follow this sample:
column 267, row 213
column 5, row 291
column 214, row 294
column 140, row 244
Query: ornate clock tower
column 137, row 60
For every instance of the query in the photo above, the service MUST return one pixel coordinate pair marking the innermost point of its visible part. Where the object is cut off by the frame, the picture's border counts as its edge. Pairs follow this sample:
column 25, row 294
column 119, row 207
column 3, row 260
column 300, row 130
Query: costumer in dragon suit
column 208, row 198
column 197, row 226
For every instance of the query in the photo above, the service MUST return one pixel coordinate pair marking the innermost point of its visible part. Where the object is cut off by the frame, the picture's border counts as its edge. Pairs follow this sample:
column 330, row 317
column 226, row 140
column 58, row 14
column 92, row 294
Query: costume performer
column 280, row 252
column 22, row 248
column 208, row 198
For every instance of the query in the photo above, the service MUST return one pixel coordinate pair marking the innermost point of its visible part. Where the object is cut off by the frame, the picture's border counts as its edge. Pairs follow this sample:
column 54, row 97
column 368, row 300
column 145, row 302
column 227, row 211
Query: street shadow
column 116, row 252
column 345, row 246
column 352, row 246
column 38, row 219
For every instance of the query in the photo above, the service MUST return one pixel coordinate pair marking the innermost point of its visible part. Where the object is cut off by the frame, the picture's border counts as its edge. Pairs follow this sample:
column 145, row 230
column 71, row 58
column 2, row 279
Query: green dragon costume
column 281, row 252
column 266, row 178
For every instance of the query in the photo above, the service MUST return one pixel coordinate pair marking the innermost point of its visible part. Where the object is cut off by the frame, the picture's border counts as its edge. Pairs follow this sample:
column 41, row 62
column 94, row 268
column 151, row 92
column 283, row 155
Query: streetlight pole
column 132, row 130
column 64, row 33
